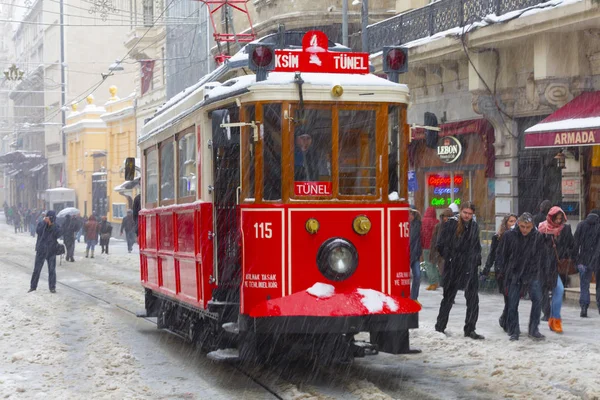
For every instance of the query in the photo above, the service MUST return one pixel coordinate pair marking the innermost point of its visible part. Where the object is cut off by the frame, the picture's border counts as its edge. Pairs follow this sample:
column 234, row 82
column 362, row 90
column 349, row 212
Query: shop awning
column 575, row 124
column 37, row 167
column 456, row 128
column 12, row 172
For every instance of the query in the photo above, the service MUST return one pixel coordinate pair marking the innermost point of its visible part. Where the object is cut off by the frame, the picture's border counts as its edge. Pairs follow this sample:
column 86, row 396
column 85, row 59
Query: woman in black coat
column 460, row 246
column 507, row 223
column 105, row 231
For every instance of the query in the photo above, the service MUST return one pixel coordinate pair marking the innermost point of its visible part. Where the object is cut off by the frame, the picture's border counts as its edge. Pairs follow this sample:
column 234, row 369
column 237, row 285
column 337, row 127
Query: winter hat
column 447, row 213
column 51, row 215
column 454, row 208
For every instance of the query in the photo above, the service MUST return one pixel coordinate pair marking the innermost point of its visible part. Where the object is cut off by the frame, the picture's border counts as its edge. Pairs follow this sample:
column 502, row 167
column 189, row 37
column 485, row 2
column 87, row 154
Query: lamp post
column 345, row 22
column 364, row 18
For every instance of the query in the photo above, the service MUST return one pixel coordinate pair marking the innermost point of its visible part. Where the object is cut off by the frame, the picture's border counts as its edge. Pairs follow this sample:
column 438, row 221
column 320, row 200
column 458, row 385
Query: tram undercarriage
column 323, row 340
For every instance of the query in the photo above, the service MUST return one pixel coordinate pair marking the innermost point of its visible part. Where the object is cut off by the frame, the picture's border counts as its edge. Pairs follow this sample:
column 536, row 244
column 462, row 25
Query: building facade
column 505, row 73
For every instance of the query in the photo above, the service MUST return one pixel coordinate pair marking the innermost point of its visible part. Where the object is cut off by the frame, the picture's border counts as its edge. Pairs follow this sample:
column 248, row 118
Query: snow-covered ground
column 70, row 345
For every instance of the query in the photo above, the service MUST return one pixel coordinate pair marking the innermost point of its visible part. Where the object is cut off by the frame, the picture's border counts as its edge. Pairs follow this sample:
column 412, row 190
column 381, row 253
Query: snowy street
column 83, row 342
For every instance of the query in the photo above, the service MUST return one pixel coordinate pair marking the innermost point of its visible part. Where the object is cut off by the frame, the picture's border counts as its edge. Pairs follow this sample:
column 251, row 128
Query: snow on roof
column 566, row 124
column 490, row 19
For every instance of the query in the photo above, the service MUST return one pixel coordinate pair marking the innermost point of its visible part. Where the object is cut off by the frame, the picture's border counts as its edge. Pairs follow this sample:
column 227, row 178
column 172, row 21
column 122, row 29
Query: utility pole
column 345, row 22
column 365, row 22
column 63, row 99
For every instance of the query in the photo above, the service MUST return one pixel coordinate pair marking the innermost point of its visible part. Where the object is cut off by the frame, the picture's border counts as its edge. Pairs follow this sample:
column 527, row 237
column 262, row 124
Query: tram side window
column 151, row 176
column 312, row 146
column 248, row 153
column 187, row 164
column 272, row 152
column 357, row 152
column 394, row 148
column 167, row 171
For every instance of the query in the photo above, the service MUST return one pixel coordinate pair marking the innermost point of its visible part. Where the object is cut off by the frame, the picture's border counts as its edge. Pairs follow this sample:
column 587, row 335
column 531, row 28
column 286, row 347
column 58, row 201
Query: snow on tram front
column 274, row 216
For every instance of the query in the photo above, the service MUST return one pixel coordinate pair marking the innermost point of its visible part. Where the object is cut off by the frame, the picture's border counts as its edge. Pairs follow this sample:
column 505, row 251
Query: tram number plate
column 312, row 188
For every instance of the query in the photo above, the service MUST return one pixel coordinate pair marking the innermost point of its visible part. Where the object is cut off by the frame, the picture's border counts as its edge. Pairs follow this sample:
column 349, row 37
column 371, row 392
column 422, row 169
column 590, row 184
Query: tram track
column 273, row 392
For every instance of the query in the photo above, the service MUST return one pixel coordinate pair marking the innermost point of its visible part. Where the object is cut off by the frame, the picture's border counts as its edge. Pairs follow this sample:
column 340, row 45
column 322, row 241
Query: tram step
column 231, row 327
column 141, row 314
column 179, row 335
column 224, row 355
column 362, row 349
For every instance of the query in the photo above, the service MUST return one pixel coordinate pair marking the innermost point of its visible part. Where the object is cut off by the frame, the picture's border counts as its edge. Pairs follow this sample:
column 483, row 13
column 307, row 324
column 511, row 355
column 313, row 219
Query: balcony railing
column 437, row 17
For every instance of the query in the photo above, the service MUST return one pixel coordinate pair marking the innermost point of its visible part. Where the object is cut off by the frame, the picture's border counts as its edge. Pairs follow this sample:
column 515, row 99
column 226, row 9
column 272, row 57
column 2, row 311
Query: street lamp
column 116, row 66
column 364, row 17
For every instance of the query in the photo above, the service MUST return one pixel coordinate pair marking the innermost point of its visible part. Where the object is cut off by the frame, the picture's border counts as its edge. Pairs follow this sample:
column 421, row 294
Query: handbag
column 105, row 236
column 60, row 249
column 565, row 266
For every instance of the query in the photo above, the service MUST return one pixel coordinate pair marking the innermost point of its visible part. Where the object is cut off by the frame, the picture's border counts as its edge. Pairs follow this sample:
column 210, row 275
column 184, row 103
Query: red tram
column 273, row 216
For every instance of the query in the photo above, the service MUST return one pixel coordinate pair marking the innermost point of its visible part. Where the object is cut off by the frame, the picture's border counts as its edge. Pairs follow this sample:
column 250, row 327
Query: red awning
column 575, row 124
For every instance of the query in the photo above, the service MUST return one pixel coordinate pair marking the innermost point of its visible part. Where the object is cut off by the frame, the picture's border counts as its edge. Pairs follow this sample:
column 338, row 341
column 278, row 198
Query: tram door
column 226, row 170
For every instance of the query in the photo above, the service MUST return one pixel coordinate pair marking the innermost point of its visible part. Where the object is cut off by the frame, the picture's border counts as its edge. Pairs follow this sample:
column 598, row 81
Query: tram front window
column 312, row 148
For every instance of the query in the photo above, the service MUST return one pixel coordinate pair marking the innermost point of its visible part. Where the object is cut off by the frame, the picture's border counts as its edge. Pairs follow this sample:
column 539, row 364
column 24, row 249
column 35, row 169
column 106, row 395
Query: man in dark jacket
column 137, row 206
column 128, row 225
column 586, row 253
column 105, row 230
column 69, row 228
column 460, row 246
column 47, row 234
column 520, row 260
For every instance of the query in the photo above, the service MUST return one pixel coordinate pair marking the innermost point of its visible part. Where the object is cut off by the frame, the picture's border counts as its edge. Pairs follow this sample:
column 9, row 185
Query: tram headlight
column 337, row 259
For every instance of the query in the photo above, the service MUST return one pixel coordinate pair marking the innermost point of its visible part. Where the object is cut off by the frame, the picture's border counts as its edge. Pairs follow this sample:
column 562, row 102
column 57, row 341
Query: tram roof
column 195, row 97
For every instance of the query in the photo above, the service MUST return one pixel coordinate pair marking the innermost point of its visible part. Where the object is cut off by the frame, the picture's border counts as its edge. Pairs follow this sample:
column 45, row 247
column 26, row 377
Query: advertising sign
column 449, row 149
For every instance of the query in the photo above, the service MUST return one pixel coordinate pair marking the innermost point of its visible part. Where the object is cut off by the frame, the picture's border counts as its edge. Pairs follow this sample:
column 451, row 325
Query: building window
column 272, row 152
column 167, row 171
column 187, row 165
column 148, row 12
column 118, row 210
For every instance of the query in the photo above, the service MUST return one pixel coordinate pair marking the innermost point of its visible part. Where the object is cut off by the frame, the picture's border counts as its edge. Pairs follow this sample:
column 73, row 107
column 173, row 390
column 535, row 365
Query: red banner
column 147, row 73
column 312, row 188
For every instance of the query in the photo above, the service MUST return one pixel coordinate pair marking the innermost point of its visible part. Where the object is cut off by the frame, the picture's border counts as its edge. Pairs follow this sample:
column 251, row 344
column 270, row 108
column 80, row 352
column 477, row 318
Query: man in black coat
column 521, row 261
column 69, row 229
column 587, row 257
column 128, row 225
column 460, row 246
column 47, row 234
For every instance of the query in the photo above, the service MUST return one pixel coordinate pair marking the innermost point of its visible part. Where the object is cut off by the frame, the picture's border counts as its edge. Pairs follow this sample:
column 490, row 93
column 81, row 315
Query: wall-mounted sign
column 449, row 149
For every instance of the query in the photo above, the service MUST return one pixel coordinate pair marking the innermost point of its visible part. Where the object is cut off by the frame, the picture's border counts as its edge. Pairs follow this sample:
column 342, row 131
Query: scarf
column 548, row 226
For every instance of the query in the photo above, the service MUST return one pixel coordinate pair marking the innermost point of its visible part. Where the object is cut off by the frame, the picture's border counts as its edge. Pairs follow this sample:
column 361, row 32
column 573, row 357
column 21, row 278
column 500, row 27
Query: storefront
column 573, row 131
column 456, row 168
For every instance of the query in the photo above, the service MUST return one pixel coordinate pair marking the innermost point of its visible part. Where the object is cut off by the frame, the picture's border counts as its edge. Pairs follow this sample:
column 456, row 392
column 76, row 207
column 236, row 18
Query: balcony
column 437, row 17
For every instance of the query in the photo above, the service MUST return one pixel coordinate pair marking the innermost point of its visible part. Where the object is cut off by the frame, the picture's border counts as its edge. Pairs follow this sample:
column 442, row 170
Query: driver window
column 357, row 153
column 312, row 148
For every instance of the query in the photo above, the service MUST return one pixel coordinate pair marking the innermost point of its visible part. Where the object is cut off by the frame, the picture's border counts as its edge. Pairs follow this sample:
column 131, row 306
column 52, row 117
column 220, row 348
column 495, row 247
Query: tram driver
column 310, row 164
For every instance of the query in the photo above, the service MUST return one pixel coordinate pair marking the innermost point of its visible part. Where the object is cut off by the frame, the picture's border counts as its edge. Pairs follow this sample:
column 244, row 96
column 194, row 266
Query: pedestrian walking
column 586, row 252
column 559, row 246
column 416, row 251
column 46, row 248
column 91, row 230
column 428, row 225
column 128, row 225
column 105, row 230
column 521, row 261
column 508, row 222
column 434, row 256
column 69, row 228
column 460, row 246
column 17, row 220
column 542, row 213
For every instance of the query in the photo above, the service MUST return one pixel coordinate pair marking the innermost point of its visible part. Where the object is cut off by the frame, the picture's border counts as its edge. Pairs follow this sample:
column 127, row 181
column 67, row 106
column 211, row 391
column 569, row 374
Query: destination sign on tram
column 316, row 57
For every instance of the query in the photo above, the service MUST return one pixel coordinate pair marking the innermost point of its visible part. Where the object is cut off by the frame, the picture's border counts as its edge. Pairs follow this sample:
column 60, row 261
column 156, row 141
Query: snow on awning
column 575, row 124
column 37, row 167
column 12, row 173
